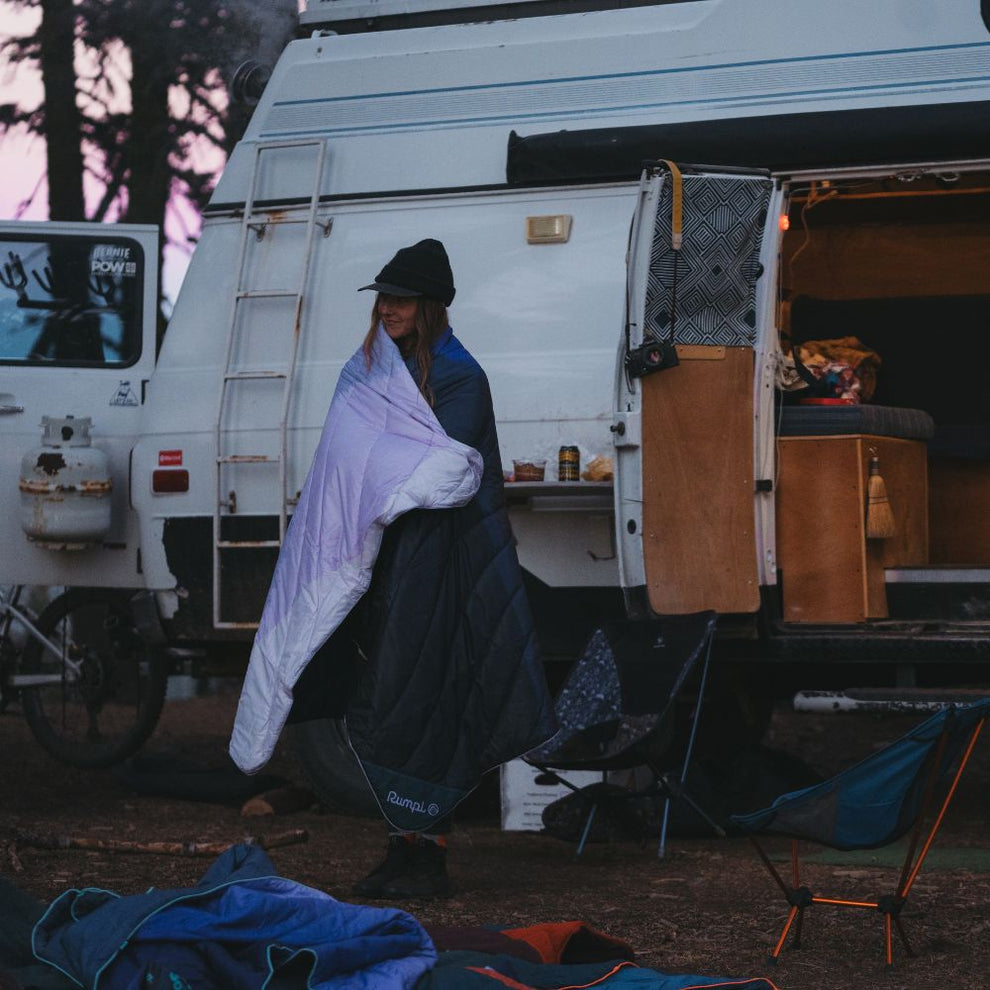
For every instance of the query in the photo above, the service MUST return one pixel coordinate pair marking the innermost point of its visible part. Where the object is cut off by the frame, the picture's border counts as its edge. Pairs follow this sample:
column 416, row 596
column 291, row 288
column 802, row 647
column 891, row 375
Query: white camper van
column 650, row 211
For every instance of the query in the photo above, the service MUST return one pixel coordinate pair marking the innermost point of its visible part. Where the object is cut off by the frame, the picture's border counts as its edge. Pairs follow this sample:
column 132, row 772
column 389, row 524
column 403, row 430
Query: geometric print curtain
column 708, row 287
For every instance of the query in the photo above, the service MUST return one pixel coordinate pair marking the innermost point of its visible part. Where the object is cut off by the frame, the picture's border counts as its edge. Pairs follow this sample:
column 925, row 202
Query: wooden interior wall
column 698, row 498
column 872, row 261
column 830, row 571
column 960, row 523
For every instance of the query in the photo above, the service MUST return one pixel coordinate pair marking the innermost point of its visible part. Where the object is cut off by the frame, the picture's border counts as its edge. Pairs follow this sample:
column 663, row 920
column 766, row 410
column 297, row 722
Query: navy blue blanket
column 240, row 926
column 438, row 666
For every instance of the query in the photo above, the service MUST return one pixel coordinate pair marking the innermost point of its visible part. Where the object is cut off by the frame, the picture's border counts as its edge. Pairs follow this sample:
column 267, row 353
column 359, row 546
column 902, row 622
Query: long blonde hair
column 431, row 321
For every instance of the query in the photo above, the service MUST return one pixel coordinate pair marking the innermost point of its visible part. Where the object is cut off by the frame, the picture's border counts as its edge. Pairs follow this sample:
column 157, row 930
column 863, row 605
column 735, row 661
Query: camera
column 654, row 356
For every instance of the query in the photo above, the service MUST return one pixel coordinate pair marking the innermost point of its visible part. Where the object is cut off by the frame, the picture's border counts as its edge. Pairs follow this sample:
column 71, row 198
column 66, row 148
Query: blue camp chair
column 616, row 711
column 870, row 805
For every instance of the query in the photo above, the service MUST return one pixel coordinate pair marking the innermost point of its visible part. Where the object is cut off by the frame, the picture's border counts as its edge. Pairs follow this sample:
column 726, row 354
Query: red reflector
column 170, row 481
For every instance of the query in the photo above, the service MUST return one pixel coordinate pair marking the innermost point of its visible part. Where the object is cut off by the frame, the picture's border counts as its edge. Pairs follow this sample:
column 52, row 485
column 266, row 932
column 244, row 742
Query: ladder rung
column 247, row 544
column 267, row 293
column 261, row 222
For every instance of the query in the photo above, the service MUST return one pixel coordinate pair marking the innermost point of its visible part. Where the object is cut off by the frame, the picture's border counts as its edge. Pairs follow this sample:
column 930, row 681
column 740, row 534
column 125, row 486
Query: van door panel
column 698, row 541
column 695, row 487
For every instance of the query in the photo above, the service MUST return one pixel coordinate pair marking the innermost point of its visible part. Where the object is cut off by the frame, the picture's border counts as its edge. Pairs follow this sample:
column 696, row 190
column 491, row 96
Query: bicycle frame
column 11, row 612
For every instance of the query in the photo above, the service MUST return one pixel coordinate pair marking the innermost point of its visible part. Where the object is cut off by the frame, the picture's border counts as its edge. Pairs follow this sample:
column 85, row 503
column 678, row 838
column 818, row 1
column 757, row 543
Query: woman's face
column 398, row 314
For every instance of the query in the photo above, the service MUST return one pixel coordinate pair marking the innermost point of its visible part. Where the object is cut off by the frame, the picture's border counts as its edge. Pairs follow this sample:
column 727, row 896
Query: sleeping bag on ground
column 242, row 925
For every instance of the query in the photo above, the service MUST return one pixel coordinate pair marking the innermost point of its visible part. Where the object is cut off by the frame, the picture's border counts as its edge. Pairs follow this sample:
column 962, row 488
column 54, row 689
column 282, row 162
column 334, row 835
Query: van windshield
column 70, row 300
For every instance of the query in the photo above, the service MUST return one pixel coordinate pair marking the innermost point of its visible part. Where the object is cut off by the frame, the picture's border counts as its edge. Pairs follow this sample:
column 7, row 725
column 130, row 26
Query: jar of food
column 569, row 464
column 531, row 469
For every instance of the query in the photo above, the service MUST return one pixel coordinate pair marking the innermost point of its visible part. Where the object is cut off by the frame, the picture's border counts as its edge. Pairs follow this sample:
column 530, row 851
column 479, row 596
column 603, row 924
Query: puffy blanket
column 382, row 452
column 436, row 671
column 479, row 971
column 553, row 956
column 240, row 926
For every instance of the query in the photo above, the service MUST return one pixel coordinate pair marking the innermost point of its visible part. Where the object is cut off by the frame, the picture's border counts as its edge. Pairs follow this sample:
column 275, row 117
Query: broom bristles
column 880, row 523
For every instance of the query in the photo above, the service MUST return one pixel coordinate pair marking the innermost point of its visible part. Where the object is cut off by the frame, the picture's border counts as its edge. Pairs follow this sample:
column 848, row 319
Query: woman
column 437, row 664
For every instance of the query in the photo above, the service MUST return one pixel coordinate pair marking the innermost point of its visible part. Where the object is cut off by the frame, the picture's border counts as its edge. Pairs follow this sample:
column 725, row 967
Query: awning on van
column 939, row 132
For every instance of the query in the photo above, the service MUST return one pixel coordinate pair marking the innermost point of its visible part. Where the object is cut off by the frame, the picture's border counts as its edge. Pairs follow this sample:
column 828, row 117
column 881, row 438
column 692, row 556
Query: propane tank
column 65, row 487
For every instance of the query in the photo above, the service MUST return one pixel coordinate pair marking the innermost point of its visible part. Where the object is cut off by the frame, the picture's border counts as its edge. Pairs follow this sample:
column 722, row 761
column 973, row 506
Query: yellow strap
column 677, row 210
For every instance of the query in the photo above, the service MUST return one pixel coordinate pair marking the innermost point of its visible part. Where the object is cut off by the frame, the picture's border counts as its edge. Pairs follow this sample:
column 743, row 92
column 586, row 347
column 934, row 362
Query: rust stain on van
column 35, row 487
column 99, row 487
column 30, row 487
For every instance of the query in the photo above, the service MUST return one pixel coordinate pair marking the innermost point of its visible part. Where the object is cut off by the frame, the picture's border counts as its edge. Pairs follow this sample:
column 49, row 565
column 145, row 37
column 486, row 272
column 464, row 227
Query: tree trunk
column 63, row 125
column 149, row 184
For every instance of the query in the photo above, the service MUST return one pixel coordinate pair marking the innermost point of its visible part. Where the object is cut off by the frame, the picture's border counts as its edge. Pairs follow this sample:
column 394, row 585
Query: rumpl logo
column 416, row 807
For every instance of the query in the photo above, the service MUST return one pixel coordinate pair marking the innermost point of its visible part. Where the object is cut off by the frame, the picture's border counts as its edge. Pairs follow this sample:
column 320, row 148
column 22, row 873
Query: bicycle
column 91, row 690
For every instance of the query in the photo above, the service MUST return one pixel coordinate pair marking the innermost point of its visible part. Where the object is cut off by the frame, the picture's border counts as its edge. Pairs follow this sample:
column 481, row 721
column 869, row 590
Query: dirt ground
column 707, row 908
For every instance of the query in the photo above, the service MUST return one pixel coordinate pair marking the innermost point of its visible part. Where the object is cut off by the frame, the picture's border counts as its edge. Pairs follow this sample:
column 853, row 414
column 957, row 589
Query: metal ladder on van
column 234, row 382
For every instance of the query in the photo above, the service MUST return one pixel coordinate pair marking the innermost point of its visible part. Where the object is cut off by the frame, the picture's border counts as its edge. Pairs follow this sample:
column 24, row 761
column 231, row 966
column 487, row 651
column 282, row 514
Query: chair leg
column 676, row 788
column 795, row 913
column 672, row 788
column 587, row 829
column 662, row 848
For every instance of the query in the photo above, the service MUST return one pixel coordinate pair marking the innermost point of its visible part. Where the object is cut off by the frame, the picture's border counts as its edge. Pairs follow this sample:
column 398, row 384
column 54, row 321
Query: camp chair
column 870, row 805
column 616, row 711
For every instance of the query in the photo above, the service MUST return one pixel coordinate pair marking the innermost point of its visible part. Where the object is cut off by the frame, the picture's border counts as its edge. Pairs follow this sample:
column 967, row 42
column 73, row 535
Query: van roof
column 353, row 16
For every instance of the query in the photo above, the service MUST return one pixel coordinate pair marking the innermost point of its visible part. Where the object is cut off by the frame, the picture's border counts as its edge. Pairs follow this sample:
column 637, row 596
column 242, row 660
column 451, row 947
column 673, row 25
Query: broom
column 880, row 523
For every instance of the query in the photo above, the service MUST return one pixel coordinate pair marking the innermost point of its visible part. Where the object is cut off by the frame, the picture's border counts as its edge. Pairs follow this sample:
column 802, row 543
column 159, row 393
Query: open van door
column 686, row 393
column 77, row 339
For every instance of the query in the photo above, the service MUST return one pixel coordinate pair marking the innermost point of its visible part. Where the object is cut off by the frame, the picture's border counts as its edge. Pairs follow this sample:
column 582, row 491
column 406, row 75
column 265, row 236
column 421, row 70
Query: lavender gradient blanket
column 382, row 453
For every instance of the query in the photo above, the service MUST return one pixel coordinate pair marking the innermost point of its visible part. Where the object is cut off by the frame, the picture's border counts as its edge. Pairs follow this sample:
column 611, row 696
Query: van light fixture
column 554, row 229
column 169, row 482
column 784, row 222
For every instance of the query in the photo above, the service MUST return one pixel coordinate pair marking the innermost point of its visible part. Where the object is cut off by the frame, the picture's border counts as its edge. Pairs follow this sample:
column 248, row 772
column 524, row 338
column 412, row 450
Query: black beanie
column 420, row 270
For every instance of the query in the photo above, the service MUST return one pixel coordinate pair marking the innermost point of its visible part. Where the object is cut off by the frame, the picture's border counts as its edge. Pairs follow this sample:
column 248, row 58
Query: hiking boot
column 426, row 875
column 398, row 860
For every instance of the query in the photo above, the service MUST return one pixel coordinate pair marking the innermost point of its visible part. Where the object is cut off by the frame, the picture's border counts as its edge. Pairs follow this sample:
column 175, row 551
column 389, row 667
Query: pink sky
column 22, row 157
column 24, row 194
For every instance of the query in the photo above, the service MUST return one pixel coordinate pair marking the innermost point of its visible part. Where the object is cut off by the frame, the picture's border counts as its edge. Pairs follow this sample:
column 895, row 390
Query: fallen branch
column 158, row 848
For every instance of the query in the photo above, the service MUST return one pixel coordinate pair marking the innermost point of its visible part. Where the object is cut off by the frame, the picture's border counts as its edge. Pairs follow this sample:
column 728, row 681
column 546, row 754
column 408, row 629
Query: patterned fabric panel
column 591, row 695
column 708, row 287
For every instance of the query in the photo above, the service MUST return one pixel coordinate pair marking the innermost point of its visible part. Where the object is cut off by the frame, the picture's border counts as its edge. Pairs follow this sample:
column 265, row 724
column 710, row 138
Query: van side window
column 70, row 300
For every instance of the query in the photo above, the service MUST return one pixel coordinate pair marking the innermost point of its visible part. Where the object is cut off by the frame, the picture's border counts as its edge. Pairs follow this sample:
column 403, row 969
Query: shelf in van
column 560, row 496
column 937, row 575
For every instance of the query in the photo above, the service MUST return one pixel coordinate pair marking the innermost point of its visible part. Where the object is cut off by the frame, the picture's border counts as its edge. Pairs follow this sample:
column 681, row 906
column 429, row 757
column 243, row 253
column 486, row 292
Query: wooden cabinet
column 830, row 572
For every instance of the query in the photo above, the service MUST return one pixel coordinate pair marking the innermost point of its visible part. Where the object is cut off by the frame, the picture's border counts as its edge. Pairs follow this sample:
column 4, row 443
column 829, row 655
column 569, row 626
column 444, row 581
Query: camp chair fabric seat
column 616, row 708
column 876, row 801
column 620, row 692
column 872, row 804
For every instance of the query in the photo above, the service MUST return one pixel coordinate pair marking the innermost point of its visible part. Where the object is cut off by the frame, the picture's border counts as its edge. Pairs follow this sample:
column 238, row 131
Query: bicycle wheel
column 108, row 687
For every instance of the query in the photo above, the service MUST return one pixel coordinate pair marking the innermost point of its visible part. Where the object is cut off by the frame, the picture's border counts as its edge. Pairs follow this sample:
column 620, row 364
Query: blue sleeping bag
column 241, row 926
